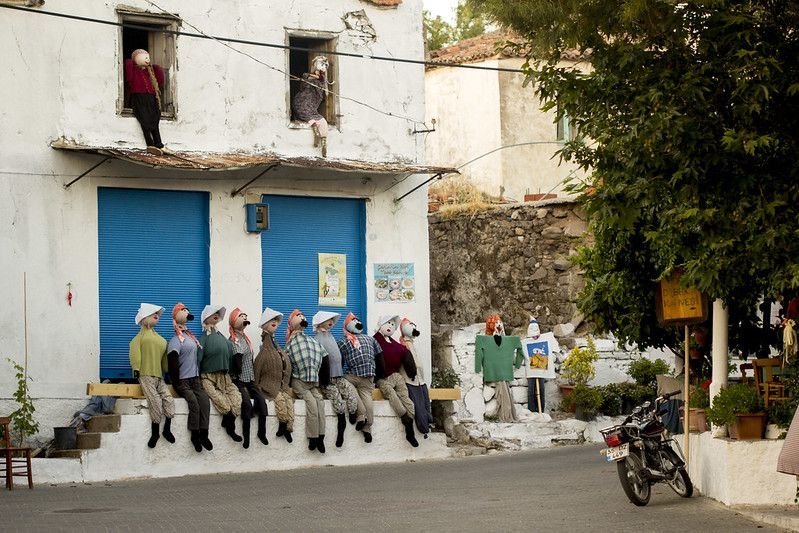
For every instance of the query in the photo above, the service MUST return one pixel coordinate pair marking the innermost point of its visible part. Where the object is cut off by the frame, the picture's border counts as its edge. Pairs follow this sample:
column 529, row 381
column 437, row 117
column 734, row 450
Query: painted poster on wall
column 395, row 282
column 333, row 280
column 540, row 355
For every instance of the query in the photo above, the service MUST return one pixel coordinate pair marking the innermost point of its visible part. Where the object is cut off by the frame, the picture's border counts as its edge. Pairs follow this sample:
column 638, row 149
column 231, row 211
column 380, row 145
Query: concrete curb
column 786, row 517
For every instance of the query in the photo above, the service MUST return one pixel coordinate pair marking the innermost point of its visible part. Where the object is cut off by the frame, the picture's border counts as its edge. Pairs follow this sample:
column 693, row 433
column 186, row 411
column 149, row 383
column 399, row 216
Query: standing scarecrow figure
column 144, row 82
column 305, row 104
column 496, row 355
column 149, row 362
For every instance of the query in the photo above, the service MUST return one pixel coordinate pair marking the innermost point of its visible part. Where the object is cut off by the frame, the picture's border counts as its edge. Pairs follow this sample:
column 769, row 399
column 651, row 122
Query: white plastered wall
column 225, row 102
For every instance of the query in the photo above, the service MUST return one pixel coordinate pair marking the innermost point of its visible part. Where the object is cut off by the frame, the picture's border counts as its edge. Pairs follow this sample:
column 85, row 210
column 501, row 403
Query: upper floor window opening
column 300, row 62
column 152, row 33
column 566, row 129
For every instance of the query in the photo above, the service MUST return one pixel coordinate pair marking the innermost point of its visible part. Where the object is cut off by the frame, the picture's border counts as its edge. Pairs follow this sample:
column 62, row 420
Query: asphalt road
column 561, row 489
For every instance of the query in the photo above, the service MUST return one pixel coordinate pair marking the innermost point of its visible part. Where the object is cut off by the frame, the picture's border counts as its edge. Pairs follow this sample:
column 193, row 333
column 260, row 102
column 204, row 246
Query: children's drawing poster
column 540, row 356
column 333, row 280
column 395, row 282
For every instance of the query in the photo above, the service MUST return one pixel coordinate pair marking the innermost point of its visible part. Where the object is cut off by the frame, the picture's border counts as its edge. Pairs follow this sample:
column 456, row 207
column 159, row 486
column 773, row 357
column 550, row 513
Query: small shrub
column 587, row 399
column 611, row 399
column 22, row 419
column 730, row 401
column 699, row 398
column 578, row 367
column 444, row 378
column 644, row 371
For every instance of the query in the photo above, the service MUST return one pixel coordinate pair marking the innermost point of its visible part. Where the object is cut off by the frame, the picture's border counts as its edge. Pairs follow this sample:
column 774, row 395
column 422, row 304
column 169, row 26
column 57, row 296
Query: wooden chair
column 14, row 462
column 767, row 381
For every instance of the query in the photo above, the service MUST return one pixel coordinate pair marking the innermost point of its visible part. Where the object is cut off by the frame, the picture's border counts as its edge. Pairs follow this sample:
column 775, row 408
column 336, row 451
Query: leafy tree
column 688, row 119
column 439, row 33
column 470, row 21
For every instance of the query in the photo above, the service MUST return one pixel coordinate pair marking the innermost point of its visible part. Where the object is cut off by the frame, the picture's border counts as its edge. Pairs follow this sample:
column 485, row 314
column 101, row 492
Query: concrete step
column 65, row 454
column 89, row 441
column 104, row 424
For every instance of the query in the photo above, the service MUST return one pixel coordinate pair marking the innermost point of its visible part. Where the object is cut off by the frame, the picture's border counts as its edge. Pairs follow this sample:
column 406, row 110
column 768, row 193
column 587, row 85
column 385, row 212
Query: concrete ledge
column 125, row 455
column 129, row 390
column 739, row 472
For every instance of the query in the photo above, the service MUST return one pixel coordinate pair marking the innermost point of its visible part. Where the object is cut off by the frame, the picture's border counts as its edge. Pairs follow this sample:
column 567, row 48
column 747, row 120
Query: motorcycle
column 645, row 453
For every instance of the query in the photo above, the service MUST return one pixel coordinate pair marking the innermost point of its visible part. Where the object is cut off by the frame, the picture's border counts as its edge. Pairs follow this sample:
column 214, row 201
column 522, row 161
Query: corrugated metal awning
column 211, row 161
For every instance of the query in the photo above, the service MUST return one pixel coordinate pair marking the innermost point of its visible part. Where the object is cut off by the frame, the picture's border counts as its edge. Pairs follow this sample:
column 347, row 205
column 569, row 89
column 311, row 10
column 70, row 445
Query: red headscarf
column 232, row 320
column 350, row 337
column 292, row 316
column 179, row 329
column 491, row 322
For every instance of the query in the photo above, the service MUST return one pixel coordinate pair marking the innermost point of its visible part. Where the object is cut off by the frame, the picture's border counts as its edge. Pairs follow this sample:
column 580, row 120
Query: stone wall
column 455, row 349
column 511, row 259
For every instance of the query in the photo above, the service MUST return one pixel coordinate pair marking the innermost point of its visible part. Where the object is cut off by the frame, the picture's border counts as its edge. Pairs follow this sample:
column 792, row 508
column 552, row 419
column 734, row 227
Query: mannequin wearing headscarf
column 184, row 355
column 273, row 373
column 143, row 82
column 342, row 395
column 147, row 352
column 358, row 352
column 388, row 377
column 218, row 353
column 496, row 355
column 308, row 371
column 417, row 388
column 252, row 401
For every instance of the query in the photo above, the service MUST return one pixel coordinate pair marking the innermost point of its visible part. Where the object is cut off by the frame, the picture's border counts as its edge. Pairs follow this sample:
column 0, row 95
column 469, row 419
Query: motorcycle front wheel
column 681, row 484
column 637, row 489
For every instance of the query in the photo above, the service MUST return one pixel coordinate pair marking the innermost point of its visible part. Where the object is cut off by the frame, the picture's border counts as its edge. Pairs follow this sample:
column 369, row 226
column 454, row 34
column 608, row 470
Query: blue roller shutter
column 299, row 229
column 153, row 247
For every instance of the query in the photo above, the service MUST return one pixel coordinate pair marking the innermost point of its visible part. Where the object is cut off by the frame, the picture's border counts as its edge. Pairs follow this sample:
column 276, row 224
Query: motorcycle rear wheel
column 637, row 489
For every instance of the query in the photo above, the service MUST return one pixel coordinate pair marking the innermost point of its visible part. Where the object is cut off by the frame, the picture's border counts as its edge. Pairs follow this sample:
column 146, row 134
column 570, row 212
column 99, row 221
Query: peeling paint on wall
column 359, row 27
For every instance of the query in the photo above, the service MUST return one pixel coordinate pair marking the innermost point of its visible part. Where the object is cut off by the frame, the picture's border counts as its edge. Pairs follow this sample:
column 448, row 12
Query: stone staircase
column 91, row 439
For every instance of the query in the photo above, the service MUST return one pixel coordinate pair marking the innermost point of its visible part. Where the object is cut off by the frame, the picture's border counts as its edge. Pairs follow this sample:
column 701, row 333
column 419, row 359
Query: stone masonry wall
column 511, row 259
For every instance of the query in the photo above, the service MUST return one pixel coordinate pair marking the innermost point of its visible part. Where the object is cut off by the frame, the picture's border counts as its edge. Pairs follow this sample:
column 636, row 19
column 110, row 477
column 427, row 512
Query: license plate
column 617, row 452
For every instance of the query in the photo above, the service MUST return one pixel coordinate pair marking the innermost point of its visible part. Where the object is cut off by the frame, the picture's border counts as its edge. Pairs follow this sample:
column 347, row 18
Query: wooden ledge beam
column 131, row 390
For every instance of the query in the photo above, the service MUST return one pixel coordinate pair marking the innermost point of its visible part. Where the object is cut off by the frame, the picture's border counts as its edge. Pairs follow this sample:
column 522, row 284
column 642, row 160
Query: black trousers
column 145, row 108
column 191, row 389
column 250, row 391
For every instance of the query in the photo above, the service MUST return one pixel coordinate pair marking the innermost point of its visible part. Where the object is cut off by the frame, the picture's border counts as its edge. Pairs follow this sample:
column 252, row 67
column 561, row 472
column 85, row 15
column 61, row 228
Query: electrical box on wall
column 257, row 217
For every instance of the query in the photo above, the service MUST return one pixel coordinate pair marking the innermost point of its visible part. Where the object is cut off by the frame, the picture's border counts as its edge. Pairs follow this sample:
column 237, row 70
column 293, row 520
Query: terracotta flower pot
column 565, row 392
column 748, row 426
column 697, row 420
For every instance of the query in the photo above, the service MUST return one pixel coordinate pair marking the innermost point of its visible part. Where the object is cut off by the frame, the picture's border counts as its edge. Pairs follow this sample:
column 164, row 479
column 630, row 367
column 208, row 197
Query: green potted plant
column 697, row 403
column 587, row 400
column 578, row 367
column 738, row 407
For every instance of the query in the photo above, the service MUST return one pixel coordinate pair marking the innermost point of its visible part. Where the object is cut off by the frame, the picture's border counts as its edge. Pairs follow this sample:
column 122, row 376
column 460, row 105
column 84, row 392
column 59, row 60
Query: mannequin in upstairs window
column 144, row 82
column 390, row 381
column 149, row 362
column 305, row 104
column 496, row 355
column 252, row 401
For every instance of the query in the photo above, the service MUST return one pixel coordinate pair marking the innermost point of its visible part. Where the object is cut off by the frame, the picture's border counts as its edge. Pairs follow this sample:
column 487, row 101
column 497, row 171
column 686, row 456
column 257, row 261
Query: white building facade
column 163, row 229
column 489, row 116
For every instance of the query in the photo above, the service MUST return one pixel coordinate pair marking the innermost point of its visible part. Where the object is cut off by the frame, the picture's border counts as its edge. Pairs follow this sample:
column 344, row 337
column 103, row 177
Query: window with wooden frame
column 152, row 33
column 304, row 47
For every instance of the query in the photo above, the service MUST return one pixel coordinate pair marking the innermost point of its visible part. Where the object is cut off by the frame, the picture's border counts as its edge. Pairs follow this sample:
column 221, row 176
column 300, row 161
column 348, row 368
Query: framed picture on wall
column 540, row 357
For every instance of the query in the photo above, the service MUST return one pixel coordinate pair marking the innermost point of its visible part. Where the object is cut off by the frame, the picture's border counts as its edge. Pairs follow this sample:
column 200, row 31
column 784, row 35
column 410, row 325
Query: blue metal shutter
column 299, row 229
column 153, row 247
